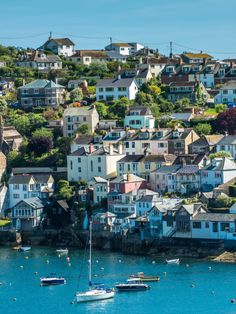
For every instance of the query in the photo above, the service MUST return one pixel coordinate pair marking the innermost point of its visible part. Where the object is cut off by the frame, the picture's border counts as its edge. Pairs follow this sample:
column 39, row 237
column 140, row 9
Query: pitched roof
column 20, row 179
column 60, row 41
column 221, row 164
column 121, row 44
column 192, row 55
column 34, row 202
column 41, row 83
column 131, row 158
column 91, row 53
column 127, row 178
column 227, row 140
column 115, row 82
column 99, row 180
column 229, row 85
column 143, row 111
column 168, row 169
column 188, row 169
column 79, row 111
column 214, row 217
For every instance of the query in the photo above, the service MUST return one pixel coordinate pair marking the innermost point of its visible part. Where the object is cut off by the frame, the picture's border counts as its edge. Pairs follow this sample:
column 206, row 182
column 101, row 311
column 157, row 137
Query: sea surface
column 189, row 288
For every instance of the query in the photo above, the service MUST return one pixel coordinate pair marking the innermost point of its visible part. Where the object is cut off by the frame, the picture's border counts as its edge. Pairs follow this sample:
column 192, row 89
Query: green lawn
column 4, row 222
column 210, row 112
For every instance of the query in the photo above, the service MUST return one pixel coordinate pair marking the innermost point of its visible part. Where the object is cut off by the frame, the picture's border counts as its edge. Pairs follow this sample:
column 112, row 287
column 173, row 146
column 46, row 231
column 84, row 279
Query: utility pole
column 110, row 40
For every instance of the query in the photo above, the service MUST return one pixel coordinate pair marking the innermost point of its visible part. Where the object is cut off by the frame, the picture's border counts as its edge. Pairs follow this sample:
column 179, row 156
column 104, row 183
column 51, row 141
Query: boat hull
column 92, row 295
column 52, row 282
column 124, row 287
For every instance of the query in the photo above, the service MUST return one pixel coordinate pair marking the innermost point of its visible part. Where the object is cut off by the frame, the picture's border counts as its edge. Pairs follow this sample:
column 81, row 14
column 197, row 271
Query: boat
column 62, row 251
column 16, row 248
column 52, row 280
column 144, row 278
column 133, row 284
column 95, row 292
column 173, row 261
column 25, row 248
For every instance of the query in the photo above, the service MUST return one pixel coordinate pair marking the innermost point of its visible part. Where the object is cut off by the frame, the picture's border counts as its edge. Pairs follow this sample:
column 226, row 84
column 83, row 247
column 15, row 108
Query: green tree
column 203, row 129
column 64, row 191
column 3, row 106
column 42, row 132
column 83, row 129
column 220, row 154
column 119, row 107
column 76, row 94
column 22, row 124
column 220, row 108
column 102, row 109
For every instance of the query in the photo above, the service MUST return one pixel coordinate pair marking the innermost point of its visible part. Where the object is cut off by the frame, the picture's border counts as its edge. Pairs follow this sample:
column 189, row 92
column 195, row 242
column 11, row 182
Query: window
column 133, row 144
column 91, row 165
column 84, row 119
column 79, row 169
column 197, row 225
column 100, row 97
column 207, row 224
column 99, row 159
column 24, row 187
column 99, row 169
column 121, row 89
column 71, row 165
column 16, row 195
column 109, row 89
column 224, row 226
column 147, row 166
column 16, row 186
column 225, row 92
column 79, row 159
column 127, row 144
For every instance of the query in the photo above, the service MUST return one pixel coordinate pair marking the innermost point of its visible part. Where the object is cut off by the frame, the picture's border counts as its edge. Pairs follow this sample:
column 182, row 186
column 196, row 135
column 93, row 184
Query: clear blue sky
column 209, row 25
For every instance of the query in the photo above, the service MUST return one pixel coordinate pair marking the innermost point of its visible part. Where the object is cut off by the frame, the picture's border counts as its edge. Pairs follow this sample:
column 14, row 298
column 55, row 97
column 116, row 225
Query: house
column 74, row 117
column 143, row 76
column 143, row 165
column 114, row 136
column 6, row 85
column 146, row 203
column 4, row 200
column 123, row 192
column 227, row 144
column 205, row 144
column 124, row 48
column 107, row 124
column 72, row 84
column 38, row 60
column 217, row 171
column 187, row 179
column 103, row 221
column 57, row 214
column 10, row 138
column 110, row 89
column 180, row 139
column 24, row 186
column 86, row 163
column 26, row 214
column 116, row 56
column 87, row 57
column 100, row 188
column 162, row 180
column 138, row 117
column 219, row 226
column 60, row 46
column 3, row 165
column 195, row 58
column 227, row 94
column 41, row 93
column 83, row 140
column 186, row 89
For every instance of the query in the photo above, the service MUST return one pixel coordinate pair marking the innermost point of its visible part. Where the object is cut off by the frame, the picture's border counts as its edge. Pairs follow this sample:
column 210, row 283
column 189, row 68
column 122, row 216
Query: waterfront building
column 100, row 188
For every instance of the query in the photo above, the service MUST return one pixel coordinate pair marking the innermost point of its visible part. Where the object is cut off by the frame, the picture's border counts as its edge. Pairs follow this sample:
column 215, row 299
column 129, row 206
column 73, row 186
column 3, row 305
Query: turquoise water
column 173, row 294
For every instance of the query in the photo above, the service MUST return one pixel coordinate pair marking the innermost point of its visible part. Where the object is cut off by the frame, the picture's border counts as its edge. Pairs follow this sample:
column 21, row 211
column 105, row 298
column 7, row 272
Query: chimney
column 91, row 148
column 204, row 162
column 111, row 149
column 120, row 148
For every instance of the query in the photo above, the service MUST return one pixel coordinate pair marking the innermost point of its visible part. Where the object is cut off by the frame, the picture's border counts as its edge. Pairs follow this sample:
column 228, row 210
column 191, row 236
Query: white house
column 88, row 163
column 4, row 201
column 74, row 117
column 227, row 94
column 60, row 46
column 124, row 48
column 100, row 189
column 227, row 144
column 138, row 117
column 26, row 214
column 217, row 171
column 115, row 88
column 22, row 187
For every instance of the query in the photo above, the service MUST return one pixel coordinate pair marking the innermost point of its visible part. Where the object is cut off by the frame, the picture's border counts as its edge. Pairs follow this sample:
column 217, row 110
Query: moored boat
column 62, row 251
column 52, row 280
column 24, row 248
column 133, row 284
column 173, row 261
column 144, row 278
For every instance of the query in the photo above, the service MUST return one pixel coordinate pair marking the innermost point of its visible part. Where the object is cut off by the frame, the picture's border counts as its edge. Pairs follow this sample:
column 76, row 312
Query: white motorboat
column 173, row 261
column 25, row 248
column 132, row 284
column 62, row 251
column 95, row 292
column 52, row 280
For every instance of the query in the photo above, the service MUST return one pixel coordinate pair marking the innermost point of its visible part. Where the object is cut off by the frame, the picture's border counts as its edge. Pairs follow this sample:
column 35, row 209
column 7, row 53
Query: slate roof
column 111, row 82
column 229, row 85
column 99, row 180
column 41, row 83
column 131, row 158
column 188, row 169
column 20, row 179
column 182, row 116
column 84, row 139
column 214, row 217
column 221, row 164
column 104, row 150
column 91, row 53
column 191, row 55
column 79, row 111
column 168, row 169
column 60, row 41
column 38, row 56
column 34, row 202
column 143, row 111
column 124, row 178
column 149, row 198
column 227, row 140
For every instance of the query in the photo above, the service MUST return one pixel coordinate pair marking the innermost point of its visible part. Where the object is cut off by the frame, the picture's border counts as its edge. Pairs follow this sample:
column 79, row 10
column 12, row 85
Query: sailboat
column 95, row 292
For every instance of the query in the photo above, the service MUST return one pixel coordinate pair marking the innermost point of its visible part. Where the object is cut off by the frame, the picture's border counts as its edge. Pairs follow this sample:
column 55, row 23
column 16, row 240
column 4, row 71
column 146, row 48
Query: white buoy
column 27, row 257
column 47, row 261
column 153, row 262
column 209, row 267
column 192, row 285
column 21, row 266
column 97, row 261
column 69, row 264
column 68, row 259
column 212, row 292
column 14, row 299
column 187, row 265
column 102, row 268
column 232, row 300
column 36, row 273
column 119, row 260
column 165, row 273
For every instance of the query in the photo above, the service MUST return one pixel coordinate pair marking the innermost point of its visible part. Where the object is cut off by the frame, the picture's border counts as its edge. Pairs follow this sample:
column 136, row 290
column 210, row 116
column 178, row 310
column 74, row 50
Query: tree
column 76, row 94
column 83, row 129
column 102, row 109
column 220, row 154
column 3, row 106
column 222, row 201
column 22, row 124
column 119, row 107
column 220, row 108
column 203, row 129
column 226, row 122
column 40, row 145
column 64, row 190
column 181, row 104
column 43, row 132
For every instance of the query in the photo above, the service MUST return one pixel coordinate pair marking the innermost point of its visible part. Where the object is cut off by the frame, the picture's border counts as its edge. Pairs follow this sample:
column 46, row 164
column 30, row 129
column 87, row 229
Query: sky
column 192, row 25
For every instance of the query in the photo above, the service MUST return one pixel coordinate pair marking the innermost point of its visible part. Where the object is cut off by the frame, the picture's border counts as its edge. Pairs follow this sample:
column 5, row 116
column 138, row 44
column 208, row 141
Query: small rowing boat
column 173, row 261
column 62, row 251
column 25, row 248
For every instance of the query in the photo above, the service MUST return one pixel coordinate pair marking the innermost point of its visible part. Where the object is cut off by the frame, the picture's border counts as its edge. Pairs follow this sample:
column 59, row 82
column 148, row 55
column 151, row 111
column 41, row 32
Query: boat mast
column 90, row 253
